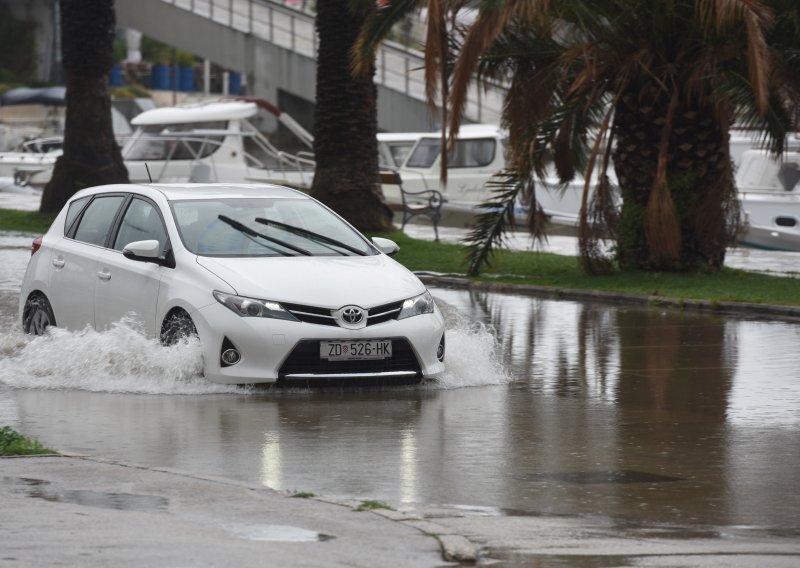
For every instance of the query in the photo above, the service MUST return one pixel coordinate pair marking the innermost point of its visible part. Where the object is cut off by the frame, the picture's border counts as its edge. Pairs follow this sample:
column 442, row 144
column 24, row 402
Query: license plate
column 355, row 350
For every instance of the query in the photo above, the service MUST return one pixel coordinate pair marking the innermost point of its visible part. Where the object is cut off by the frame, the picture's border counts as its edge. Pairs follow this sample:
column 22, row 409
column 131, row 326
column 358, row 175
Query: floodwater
column 548, row 408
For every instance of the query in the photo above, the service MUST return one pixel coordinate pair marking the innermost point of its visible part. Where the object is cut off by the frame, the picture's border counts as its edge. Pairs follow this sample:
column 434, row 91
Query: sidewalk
column 80, row 511
column 75, row 511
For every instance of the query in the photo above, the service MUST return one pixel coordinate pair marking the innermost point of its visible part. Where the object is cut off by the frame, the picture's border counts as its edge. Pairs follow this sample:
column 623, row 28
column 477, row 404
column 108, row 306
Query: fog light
column 440, row 350
column 230, row 357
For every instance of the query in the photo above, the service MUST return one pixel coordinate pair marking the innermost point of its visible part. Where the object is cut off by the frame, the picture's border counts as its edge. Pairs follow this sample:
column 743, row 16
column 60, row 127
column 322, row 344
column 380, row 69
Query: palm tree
column 91, row 154
column 442, row 36
column 345, row 122
column 652, row 87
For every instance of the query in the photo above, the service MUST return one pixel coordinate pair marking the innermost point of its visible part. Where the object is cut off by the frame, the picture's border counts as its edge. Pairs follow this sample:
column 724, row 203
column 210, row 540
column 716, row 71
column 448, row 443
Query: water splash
column 118, row 360
column 473, row 356
column 122, row 360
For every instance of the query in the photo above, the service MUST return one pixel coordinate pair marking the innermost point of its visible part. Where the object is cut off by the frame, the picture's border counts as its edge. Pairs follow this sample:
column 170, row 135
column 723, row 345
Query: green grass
column 25, row 221
column 372, row 505
column 563, row 272
column 303, row 495
column 15, row 444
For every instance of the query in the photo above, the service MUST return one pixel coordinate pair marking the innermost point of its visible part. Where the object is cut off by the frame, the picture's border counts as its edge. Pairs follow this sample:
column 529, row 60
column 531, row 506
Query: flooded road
column 549, row 408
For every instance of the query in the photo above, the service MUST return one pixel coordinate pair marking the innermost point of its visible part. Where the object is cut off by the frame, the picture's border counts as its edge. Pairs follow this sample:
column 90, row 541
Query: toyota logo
column 352, row 315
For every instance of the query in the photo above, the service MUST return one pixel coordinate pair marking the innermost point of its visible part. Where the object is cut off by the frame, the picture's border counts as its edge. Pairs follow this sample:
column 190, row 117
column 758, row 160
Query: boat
column 214, row 141
column 203, row 142
column 769, row 189
column 30, row 151
column 478, row 153
column 28, row 113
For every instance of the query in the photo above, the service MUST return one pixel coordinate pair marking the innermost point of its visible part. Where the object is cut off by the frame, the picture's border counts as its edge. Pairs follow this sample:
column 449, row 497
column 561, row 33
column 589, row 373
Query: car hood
column 318, row 281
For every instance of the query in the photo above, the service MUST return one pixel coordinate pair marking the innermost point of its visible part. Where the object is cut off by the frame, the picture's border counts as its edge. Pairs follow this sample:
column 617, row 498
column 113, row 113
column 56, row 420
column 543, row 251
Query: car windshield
column 239, row 227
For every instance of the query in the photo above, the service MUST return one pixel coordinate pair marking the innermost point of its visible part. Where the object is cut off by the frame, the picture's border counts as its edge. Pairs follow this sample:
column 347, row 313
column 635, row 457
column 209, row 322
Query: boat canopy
column 50, row 96
column 208, row 112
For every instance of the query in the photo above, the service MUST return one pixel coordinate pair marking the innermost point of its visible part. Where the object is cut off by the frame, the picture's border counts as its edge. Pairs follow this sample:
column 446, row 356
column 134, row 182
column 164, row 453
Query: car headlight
column 253, row 307
column 418, row 305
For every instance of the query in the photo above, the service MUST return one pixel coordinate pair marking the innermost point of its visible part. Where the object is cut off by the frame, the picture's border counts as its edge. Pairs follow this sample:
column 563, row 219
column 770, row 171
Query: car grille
column 322, row 316
column 305, row 359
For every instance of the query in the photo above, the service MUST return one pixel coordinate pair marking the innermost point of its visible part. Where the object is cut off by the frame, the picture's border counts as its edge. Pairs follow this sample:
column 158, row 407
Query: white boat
column 212, row 142
column 30, row 151
column 205, row 142
column 769, row 189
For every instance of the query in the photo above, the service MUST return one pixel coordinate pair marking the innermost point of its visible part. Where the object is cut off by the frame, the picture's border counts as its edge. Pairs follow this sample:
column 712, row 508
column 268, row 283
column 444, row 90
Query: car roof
column 189, row 191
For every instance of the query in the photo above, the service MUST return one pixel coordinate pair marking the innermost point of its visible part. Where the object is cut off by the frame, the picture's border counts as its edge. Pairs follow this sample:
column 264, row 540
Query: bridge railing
column 290, row 24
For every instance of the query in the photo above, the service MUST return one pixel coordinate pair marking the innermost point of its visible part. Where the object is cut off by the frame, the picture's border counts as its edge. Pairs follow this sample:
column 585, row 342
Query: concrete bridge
column 274, row 45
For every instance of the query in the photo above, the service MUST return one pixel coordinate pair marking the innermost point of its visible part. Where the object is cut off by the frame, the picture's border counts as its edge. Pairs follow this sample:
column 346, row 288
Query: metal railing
column 290, row 24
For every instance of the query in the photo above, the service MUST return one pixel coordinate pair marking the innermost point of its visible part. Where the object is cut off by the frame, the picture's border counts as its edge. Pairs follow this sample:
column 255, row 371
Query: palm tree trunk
column 345, row 125
column 91, row 154
column 699, row 179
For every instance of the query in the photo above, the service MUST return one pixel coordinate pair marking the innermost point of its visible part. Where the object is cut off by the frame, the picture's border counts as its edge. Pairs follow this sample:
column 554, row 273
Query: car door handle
column 58, row 263
column 104, row 275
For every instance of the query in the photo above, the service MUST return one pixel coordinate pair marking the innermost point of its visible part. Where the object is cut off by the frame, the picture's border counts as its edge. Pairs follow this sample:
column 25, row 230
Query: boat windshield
column 174, row 141
column 470, row 153
column 251, row 227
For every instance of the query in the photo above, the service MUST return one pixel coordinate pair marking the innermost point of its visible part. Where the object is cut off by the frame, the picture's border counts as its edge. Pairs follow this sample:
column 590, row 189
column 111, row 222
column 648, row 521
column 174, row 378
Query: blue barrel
column 160, row 77
column 185, row 79
column 115, row 76
column 234, row 83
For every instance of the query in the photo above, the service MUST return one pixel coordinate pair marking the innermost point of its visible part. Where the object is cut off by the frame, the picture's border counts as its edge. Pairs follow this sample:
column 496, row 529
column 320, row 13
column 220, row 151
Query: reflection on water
column 587, row 409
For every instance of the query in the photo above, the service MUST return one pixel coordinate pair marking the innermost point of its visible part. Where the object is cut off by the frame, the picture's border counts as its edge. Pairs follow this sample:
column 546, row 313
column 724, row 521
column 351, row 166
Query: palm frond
column 377, row 27
column 498, row 214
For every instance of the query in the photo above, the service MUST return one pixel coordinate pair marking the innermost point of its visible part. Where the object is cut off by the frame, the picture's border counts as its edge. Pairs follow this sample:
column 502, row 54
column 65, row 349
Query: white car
column 276, row 286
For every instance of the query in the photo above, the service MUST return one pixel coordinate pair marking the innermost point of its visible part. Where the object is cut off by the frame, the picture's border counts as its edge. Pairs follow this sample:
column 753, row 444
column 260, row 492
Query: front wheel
column 176, row 327
column 37, row 315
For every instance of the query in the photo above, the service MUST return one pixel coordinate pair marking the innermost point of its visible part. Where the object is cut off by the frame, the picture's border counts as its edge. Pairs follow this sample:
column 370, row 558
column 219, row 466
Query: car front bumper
column 267, row 346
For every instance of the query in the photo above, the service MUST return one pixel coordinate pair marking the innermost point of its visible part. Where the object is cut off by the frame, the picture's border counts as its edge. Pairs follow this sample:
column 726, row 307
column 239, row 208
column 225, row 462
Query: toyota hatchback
column 273, row 283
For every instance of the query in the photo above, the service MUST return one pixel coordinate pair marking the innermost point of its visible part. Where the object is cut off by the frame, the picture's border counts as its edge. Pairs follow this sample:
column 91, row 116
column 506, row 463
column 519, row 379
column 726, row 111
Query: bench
column 427, row 202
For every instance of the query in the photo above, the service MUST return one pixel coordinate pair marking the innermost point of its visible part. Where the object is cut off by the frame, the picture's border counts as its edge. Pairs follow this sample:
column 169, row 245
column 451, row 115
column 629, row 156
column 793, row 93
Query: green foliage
column 155, row 51
column 15, row 444
column 17, row 45
column 25, row 221
column 120, row 50
column 133, row 91
column 491, row 224
column 568, row 65
column 303, row 495
column 631, row 244
column 184, row 58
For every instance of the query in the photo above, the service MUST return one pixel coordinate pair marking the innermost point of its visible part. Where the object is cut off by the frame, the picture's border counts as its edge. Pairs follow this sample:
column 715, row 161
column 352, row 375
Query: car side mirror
column 146, row 251
column 386, row 246
column 142, row 249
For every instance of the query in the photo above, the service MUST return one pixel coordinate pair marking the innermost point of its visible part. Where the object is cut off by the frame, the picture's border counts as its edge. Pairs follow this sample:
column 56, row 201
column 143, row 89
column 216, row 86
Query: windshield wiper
column 251, row 233
column 311, row 235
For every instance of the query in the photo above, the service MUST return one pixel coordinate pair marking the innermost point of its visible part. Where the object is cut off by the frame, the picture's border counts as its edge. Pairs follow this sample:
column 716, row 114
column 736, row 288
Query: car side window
column 74, row 210
column 141, row 222
column 97, row 219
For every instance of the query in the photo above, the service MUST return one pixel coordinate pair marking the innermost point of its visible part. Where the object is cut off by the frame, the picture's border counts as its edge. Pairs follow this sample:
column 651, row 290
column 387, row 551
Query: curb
column 549, row 292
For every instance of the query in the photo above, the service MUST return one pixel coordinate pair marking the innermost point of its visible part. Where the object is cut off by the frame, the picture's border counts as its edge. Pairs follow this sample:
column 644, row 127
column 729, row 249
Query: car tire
column 176, row 327
column 37, row 315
